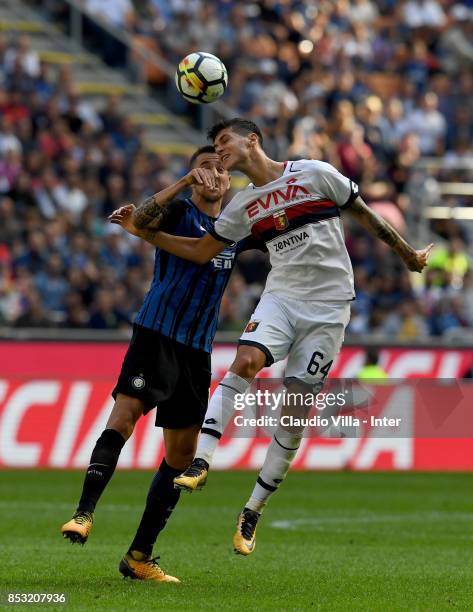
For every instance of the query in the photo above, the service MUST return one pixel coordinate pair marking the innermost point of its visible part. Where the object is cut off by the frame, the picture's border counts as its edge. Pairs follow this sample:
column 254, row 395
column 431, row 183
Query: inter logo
column 280, row 220
column 251, row 327
column 138, row 382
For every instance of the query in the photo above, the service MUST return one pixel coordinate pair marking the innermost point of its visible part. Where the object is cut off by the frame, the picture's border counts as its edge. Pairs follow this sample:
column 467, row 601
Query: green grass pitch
column 328, row 541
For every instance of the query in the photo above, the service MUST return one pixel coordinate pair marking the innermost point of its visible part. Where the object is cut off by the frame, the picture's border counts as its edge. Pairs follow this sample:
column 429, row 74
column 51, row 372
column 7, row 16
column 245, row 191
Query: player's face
column 212, row 161
column 232, row 148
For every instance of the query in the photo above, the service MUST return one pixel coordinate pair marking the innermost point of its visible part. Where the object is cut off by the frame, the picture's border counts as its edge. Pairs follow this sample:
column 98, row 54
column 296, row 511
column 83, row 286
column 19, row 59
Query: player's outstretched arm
column 377, row 226
column 149, row 213
column 123, row 216
column 198, row 250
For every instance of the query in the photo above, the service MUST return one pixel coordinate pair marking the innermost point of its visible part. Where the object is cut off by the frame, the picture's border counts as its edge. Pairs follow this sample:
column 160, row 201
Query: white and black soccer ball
column 201, row 78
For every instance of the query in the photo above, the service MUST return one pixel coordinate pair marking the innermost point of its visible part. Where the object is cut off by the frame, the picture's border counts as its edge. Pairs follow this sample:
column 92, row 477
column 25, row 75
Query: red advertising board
column 55, row 400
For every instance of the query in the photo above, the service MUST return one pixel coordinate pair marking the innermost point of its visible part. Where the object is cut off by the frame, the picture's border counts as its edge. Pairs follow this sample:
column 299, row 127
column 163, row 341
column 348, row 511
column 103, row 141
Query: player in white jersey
column 298, row 217
column 295, row 208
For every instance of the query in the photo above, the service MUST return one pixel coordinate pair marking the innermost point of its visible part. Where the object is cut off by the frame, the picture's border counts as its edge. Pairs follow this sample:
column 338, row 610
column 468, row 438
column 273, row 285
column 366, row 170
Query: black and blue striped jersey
column 184, row 299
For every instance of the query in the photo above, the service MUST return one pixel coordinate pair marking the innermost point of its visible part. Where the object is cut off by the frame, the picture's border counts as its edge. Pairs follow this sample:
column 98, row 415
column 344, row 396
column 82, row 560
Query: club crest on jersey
column 280, row 220
column 251, row 327
column 138, row 382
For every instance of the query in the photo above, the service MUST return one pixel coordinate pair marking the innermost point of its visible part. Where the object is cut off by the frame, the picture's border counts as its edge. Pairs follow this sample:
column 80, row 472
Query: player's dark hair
column 200, row 151
column 238, row 125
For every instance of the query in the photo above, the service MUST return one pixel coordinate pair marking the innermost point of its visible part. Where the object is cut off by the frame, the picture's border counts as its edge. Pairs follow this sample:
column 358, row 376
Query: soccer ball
column 201, row 78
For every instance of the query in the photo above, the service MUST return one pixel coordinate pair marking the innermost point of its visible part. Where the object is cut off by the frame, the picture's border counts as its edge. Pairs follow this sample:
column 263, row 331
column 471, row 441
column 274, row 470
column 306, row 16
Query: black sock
column 161, row 501
column 103, row 462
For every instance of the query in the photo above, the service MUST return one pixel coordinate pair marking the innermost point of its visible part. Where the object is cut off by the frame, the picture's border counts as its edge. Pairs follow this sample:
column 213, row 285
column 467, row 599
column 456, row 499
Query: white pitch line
column 315, row 522
column 289, row 524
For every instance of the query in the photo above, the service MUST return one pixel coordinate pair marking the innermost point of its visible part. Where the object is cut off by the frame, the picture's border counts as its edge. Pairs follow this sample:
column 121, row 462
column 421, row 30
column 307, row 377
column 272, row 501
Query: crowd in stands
column 369, row 86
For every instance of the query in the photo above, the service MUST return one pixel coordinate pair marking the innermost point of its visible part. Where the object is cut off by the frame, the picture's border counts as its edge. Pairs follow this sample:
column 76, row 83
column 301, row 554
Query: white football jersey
column 298, row 217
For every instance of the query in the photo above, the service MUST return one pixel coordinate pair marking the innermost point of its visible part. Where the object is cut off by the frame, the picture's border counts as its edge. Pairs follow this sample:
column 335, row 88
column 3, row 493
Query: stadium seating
column 87, row 138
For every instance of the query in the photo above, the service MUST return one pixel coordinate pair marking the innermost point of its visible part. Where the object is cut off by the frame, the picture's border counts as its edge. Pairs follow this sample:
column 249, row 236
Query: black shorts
column 162, row 372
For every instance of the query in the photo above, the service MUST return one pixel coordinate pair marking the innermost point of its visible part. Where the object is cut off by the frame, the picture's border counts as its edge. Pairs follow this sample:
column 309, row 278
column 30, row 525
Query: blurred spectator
column 447, row 317
column 371, row 369
column 34, row 314
column 237, row 304
column 453, row 260
column 420, row 13
column 468, row 297
column 70, row 197
column 429, row 124
column 456, row 40
column 77, row 316
column 34, row 254
column 363, row 11
column 52, row 285
column 356, row 156
column 407, row 323
column 116, row 13
column 8, row 139
column 21, row 55
column 105, row 314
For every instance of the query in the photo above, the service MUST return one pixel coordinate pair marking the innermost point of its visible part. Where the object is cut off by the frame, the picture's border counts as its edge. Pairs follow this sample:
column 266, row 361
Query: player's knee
column 248, row 362
column 123, row 425
column 125, row 415
column 180, row 446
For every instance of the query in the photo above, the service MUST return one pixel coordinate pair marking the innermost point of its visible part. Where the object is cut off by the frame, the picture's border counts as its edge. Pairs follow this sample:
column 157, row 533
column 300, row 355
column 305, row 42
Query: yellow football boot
column 194, row 477
column 139, row 566
column 78, row 528
column 244, row 540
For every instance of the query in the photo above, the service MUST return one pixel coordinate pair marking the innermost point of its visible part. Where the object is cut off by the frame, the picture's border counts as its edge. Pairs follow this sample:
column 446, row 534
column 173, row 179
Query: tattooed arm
column 198, row 250
column 149, row 213
column 377, row 226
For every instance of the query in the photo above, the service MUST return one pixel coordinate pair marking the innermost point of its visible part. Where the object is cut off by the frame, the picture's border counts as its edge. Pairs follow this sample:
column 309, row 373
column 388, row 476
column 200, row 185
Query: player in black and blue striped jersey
column 184, row 299
column 168, row 360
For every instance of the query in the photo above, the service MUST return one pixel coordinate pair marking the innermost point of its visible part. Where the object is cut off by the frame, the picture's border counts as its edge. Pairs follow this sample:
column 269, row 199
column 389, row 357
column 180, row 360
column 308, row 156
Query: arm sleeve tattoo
column 149, row 214
column 381, row 228
column 148, row 234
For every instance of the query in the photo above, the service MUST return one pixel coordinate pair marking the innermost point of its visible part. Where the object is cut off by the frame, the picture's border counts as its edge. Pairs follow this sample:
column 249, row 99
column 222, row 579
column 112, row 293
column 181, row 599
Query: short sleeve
column 329, row 181
column 230, row 226
column 251, row 243
column 173, row 213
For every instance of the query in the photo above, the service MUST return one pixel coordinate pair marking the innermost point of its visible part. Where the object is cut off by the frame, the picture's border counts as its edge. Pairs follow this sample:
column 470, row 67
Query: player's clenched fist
column 419, row 259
